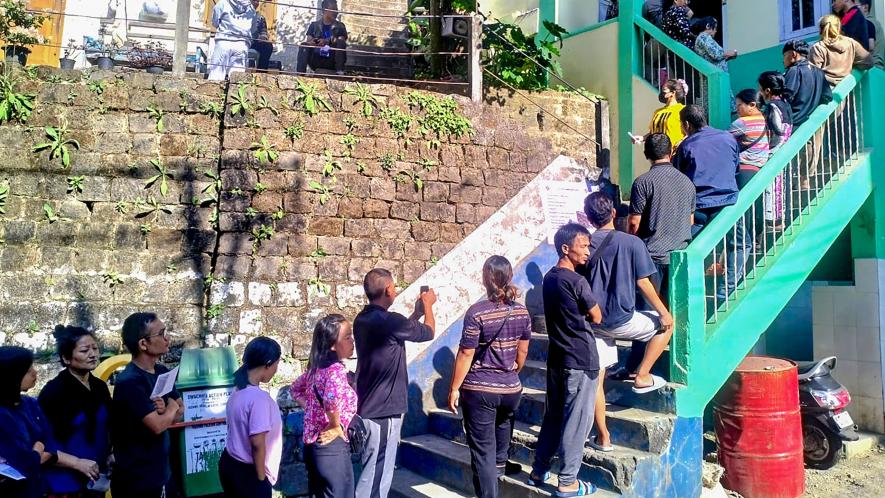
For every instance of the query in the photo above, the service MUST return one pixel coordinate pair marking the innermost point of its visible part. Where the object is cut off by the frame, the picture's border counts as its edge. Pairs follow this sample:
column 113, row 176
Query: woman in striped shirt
column 751, row 132
column 494, row 346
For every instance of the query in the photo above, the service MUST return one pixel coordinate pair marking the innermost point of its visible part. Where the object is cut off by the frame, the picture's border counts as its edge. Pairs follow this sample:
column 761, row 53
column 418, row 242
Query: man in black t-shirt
column 572, row 363
column 326, row 43
column 139, row 424
column 381, row 378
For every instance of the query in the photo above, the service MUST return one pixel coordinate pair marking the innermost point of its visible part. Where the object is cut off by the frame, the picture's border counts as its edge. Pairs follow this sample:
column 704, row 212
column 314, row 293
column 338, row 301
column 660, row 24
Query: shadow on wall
column 416, row 419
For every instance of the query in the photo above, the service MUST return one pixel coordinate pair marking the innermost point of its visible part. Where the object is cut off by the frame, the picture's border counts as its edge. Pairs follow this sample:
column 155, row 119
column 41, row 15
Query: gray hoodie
column 235, row 20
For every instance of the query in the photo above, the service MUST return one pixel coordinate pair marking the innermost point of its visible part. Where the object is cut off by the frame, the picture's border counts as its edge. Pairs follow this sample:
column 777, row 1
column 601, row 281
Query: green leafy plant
column 360, row 167
column 440, row 118
column 319, row 253
column 122, row 207
column 112, row 278
column 58, row 144
column 162, row 176
column 278, row 214
column 14, row 106
column 212, row 109
column 19, row 25
column 240, row 104
column 264, row 151
column 260, row 234
column 49, row 212
column 508, row 54
column 171, row 268
column 330, row 164
column 350, row 142
column 214, row 311
column 4, row 195
column 75, row 184
column 295, row 131
column 212, row 189
column 411, row 175
column 97, row 87
column 32, row 326
column 434, row 260
column 251, row 212
column 324, row 190
column 263, row 103
column 260, row 188
column 209, row 279
column 237, row 192
column 145, row 228
column 320, row 286
column 153, row 207
column 309, row 98
column 399, row 122
column 157, row 114
column 388, row 160
column 364, row 97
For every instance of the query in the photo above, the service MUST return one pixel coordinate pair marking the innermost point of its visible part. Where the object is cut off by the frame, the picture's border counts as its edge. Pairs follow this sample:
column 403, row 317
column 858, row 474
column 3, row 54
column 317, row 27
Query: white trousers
column 227, row 57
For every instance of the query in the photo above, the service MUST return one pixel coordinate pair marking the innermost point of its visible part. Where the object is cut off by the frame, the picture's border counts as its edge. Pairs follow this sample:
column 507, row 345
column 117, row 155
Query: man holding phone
column 326, row 43
column 381, row 378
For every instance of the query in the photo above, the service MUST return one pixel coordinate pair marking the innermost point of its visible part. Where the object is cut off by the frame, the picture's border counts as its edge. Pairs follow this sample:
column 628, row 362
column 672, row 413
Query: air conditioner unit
column 456, row 26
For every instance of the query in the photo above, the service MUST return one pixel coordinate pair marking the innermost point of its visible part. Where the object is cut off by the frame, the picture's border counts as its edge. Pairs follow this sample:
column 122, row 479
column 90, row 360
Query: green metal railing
column 718, row 315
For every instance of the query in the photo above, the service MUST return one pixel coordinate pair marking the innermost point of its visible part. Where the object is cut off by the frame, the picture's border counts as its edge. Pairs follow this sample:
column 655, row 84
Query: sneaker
column 339, row 73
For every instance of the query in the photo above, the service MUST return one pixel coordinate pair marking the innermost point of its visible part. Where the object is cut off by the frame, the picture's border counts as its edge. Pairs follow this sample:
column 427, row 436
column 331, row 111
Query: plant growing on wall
column 330, row 164
column 157, row 115
column 14, row 106
column 263, row 103
column 440, row 118
column 212, row 109
column 364, row 97
column 122, row 207
column 162, row 176
column 4, row 195
column 410, row 175
column 388, row 159
column 311, row 101
column 75, row 184
column 320, row 286
column 112, row 278
column 153, row 207
column 264, row 151
column 260, row 188
column 49, row 213
column 398, row 121
column 507, row 54
column 260, row 234
column 58, row 144
column 350, row 142
column 214, row 311
column 97, row 87
column 324, row 190
column 240, row 105
column 295, row 131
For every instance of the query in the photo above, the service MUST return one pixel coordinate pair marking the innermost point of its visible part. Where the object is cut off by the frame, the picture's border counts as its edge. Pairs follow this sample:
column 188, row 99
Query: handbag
column 357, row 433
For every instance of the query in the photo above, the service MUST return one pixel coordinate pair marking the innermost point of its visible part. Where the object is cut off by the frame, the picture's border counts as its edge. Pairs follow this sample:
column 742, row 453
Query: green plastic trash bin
column 205, row 380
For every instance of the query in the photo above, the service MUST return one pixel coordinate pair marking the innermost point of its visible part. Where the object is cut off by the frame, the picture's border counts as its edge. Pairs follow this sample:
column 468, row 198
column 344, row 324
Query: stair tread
column 541, row 365
column 456, row 451
column 409, row 484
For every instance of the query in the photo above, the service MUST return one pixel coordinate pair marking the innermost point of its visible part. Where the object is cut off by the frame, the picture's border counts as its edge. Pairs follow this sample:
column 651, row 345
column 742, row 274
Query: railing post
column 627, row 50
column 475, row 69
column 718, row 100
column 687, row 295
column 868, row 226
column 182, row 28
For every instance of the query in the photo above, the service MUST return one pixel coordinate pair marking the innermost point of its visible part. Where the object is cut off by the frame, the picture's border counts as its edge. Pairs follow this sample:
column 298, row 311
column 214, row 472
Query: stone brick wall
column 268, row 257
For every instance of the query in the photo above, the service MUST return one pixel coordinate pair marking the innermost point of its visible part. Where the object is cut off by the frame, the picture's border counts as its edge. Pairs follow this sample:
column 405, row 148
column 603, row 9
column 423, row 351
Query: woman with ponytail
column 329, row 406
column 779, row 120
column 251, row 459
column 666, row 119
column 494, row 345
column 836, row 54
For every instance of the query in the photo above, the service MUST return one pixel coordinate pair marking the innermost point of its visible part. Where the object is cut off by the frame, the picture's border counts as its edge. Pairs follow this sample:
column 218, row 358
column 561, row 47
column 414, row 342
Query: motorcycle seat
column 811, row 369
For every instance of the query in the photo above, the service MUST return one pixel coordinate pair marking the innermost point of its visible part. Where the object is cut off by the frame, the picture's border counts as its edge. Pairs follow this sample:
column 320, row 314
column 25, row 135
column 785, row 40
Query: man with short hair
column 139, row 424
column 806, row 85
column 326, row 43
column 572, row 364
column 381, row 378
column 854, row 23
column 710, row 158
column 876, row 33
column 622, row 266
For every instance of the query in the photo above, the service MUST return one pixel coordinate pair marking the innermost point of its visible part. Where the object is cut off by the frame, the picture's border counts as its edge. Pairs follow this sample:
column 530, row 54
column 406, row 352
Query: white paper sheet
column 165, row 383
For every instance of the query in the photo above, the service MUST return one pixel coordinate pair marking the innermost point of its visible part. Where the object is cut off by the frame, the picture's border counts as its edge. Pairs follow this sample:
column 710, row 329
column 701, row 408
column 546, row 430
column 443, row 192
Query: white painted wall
column 849, row 322
column 576, row 14
column 524, row 12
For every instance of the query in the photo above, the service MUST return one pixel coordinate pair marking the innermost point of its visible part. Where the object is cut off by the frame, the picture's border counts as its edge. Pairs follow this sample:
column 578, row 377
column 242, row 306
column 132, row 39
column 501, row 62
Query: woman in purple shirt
column 494, row 345
column 251, row 459
column 329, row 405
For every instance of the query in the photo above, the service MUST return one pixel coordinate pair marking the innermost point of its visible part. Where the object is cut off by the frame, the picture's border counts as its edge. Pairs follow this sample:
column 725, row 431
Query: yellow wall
column 645, row 102
column 587, row 61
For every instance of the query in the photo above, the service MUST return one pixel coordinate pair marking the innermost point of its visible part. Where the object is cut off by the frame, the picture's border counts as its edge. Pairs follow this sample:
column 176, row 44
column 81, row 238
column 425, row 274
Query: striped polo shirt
column 493, row 369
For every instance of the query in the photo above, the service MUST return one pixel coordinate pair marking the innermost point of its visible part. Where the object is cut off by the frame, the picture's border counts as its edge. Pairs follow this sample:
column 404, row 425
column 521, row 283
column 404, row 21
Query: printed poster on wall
column 203, row 447
column 563, row 202
column 205, row 404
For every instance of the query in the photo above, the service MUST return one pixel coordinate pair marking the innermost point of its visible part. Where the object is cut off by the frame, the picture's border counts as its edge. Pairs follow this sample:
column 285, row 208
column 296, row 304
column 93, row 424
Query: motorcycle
column 825, row 423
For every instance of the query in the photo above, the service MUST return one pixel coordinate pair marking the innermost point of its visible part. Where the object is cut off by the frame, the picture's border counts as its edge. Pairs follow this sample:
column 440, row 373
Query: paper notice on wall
column 563, row 202
column 203, row 447
column 204, row 404
column 165, row 383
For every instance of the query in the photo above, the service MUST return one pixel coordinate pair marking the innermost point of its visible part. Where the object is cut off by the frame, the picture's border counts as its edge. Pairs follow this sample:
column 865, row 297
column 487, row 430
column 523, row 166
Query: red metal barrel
column 759, row 429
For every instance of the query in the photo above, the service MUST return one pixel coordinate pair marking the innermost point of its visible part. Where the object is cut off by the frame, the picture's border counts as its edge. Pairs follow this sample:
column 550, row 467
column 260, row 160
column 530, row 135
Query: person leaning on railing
column 707, row 47
column 836, row 54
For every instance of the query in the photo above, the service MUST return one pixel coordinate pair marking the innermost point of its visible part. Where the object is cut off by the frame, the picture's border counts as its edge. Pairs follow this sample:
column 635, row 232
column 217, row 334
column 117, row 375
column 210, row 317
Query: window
column 799, row 17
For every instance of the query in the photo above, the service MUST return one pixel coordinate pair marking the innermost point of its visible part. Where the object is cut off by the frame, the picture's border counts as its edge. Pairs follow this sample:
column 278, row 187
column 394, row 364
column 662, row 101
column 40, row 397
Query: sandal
column 584, row 488
column 657, row 383
column 598, row 447
column 533, row 481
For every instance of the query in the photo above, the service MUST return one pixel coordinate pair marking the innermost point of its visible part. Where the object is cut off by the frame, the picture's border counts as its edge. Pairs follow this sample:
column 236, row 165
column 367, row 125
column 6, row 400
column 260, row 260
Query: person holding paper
column 140, row 423
column 25, row 433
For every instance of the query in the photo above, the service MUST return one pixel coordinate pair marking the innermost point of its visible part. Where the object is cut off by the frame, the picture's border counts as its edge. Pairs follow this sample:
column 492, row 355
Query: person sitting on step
column 326, row 43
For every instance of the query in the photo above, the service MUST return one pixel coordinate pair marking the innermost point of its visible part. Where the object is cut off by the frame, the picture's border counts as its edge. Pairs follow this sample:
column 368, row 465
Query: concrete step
column 407, row 484
column 534, row 376
column 448, row 463
column 635, row 428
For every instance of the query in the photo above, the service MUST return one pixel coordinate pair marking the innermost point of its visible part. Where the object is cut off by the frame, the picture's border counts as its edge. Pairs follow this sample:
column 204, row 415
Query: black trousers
column 264, row 49
column 488, row 422
column 329, row 470
column 122, row 490
column 308, row 56
column 238, row 479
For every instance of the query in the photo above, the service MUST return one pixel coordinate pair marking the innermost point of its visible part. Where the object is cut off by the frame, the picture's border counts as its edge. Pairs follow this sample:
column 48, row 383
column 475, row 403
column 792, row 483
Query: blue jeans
column 738, row 244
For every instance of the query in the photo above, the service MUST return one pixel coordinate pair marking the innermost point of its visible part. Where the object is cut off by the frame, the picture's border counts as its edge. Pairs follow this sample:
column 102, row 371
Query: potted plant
column 153, row 57
column 19, row 29
column 66, row 61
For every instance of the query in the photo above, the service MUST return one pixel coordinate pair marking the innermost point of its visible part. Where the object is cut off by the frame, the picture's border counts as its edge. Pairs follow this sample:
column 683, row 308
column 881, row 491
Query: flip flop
column 538, row 482
column 584, row 488
column 657, row 383
column 598, row 447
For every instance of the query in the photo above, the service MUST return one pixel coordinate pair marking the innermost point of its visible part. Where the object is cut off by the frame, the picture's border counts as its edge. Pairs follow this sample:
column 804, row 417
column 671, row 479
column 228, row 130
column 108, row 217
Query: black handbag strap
column 598, row 252
column 485, row 347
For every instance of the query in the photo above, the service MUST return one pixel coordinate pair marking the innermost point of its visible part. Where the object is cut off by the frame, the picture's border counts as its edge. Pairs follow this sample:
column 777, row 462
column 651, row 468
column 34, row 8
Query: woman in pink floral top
column 326, row 449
